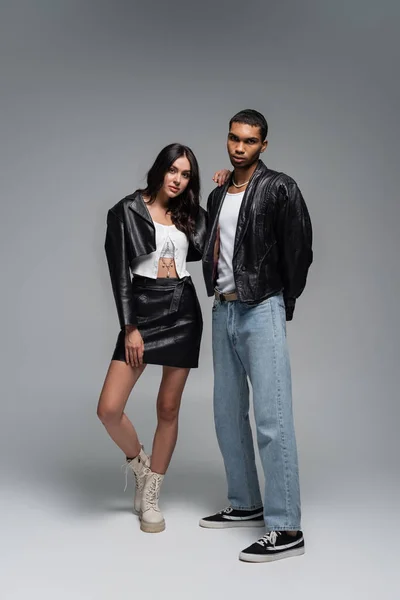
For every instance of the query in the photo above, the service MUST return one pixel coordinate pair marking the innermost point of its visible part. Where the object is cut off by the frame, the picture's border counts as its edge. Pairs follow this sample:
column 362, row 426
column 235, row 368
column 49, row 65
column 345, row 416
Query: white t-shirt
column 228, row 219
column 171, row 243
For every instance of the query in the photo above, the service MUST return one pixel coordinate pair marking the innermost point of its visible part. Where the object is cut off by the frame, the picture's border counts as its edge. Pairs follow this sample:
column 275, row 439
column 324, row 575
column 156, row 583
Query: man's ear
column 264, row 146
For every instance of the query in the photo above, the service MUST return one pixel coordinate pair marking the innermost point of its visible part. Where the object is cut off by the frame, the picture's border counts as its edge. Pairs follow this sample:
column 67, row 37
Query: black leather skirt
column 169, row 320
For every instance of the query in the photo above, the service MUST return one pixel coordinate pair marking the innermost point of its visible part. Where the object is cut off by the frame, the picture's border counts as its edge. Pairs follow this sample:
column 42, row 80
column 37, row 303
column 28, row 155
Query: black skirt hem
column 191, row 366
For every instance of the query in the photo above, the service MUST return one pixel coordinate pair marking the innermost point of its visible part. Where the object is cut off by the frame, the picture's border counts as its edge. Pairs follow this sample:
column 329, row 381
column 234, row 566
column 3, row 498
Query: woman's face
column 177, row 177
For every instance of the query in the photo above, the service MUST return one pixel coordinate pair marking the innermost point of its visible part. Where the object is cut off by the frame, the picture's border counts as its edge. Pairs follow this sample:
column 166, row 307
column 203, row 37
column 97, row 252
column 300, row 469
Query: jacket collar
column 247, row 202
column 245, row 208
column 221, row 192
column 139, row 207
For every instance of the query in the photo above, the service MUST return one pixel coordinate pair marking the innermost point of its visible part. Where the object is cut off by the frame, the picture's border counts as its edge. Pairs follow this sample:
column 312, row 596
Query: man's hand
column 221, row 177
column 134, row 346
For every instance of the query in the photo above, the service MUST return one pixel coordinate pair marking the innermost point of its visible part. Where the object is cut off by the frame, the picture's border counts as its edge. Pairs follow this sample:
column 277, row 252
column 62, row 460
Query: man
column 255, row 263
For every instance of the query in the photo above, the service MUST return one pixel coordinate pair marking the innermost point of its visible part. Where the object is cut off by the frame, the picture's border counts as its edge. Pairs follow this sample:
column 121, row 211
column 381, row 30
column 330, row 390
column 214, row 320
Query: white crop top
column 170, row 243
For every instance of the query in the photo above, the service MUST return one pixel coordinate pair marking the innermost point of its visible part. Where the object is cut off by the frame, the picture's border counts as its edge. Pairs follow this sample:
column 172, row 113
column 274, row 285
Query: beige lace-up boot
column 151, row 517
column 139, row 466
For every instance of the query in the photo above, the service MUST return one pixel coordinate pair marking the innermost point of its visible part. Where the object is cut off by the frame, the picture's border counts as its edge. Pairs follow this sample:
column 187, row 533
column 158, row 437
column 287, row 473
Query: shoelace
column 269, row 538
column 152, row 492
column 226, row 511
column 127, row 466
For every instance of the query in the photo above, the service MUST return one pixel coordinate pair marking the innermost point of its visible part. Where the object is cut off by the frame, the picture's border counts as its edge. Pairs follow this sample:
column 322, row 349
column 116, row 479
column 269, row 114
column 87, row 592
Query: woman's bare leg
column 168, row 404
column 118, row 384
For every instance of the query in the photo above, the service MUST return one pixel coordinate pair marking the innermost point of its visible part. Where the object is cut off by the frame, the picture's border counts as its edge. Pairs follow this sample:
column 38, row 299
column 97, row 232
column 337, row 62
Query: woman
column 151, row 234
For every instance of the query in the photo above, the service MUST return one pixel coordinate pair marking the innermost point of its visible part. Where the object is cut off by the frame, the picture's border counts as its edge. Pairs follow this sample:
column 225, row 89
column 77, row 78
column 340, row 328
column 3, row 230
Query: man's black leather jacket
column 131, row 233
column 273, row 243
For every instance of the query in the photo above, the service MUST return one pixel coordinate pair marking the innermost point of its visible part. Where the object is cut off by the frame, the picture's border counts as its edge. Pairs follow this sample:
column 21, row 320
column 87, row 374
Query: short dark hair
column 185, row 207
column 251, row 117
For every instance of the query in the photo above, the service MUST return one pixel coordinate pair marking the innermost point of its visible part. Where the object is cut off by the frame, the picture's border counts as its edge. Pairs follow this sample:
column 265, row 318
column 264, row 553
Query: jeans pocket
column 282, row 309
column 216, row 304
column 281, row 301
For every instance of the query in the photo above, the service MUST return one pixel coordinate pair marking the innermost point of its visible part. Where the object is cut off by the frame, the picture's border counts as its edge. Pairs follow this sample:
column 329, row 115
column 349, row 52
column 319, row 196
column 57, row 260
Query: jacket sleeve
column 118, row 264
column 197, row 239
column 294, row 238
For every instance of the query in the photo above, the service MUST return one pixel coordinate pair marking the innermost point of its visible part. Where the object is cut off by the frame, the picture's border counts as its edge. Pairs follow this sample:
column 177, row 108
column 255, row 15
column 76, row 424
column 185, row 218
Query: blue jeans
column 249, row 342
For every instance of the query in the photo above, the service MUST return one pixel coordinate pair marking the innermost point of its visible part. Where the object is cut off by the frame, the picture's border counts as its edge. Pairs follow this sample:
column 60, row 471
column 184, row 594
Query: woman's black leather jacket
column 130, row 234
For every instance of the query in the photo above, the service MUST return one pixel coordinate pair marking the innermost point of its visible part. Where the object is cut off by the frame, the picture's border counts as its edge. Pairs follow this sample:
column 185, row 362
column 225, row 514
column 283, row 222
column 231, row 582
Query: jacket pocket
column 261, row 275
column 266, row 253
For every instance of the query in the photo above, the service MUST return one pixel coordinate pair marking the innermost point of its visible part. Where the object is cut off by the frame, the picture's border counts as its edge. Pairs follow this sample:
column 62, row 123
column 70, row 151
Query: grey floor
column 68, row 532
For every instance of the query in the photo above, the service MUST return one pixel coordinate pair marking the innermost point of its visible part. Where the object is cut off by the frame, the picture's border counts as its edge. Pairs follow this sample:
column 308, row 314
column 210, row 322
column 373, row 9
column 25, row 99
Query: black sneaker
column 233, row 517
column 273, row 546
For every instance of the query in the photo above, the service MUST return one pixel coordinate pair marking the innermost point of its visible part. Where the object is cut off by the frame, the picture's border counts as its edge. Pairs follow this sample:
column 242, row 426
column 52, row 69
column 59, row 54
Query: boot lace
column 153, row 492
column 139, row 481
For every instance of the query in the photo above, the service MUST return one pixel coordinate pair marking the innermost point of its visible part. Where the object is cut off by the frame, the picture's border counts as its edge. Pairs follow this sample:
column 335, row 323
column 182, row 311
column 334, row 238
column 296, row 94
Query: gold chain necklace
column 241, row 185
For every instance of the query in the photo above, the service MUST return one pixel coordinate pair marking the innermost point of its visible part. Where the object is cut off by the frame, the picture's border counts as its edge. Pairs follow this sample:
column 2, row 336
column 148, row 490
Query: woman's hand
column 134, row 346
column 221, row 177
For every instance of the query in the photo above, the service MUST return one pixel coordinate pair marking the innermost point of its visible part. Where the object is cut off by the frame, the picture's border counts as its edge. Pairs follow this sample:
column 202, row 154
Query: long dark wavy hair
column 185, row 207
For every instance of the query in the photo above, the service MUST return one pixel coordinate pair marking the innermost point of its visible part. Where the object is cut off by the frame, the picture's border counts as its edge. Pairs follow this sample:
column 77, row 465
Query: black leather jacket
column 131, row 233
column 272, row 251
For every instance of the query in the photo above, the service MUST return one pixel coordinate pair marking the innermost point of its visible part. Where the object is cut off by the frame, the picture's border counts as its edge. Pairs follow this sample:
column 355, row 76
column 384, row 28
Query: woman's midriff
column 167, row 268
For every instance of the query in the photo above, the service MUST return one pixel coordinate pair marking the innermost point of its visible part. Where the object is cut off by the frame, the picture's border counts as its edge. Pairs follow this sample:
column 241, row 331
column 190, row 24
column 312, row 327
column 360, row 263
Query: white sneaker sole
column 229, row 524
column 256, row 558
column 152, row 527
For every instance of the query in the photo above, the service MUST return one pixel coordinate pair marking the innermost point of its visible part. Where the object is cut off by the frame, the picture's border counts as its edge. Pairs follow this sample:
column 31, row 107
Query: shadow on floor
column 98, row 489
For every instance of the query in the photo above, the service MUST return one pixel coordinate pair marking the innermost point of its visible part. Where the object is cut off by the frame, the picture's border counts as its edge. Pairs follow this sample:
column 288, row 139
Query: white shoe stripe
column 285, row 546
column 247, row 518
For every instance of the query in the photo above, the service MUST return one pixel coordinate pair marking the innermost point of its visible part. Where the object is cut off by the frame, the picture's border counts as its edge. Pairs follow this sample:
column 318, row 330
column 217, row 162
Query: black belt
column 178, row 291
column 177, row 284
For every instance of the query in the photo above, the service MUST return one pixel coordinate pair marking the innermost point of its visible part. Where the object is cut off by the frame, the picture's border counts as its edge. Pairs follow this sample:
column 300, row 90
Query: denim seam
column 280, row 417
column 244, row 385
column 252, row 507
column 279, row 528
column 234, row 337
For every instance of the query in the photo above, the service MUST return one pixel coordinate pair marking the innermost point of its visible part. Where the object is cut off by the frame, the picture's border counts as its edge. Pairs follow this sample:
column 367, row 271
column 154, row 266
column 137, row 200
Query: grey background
column 90, row 91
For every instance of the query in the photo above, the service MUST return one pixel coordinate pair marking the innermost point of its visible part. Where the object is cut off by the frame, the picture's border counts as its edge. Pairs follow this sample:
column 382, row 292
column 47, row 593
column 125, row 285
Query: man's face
column 244, row 145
